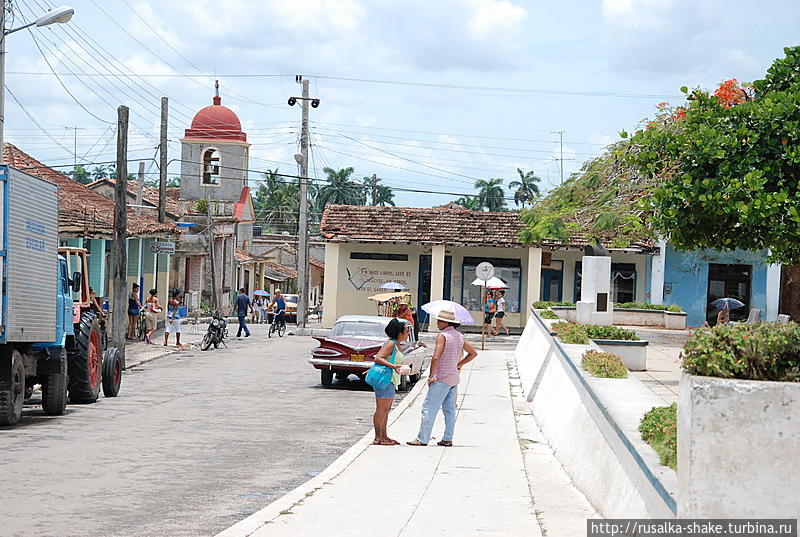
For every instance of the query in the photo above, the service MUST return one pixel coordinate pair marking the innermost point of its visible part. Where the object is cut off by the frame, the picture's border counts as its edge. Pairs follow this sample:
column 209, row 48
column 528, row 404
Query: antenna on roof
column 217, row 98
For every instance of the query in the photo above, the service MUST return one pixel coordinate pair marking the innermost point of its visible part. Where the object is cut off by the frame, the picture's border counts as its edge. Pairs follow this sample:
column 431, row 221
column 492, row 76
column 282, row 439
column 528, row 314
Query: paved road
column 194, row 443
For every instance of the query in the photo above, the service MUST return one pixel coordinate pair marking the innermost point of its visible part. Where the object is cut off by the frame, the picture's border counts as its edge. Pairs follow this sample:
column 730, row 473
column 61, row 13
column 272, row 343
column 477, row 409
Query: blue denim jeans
column 242, row 326
column 440, row 395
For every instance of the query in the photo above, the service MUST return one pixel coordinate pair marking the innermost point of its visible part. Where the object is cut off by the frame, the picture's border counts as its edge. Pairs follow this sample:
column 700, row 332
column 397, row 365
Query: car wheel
column 342, row 375
column 326, row 376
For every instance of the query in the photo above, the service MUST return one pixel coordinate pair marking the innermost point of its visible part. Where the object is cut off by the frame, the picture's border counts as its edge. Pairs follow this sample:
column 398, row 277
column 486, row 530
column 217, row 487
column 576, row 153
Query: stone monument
column 595, row 306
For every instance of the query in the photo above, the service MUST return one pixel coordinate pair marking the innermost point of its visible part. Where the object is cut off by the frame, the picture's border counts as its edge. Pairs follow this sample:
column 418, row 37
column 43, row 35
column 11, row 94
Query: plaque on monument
column 602, row 301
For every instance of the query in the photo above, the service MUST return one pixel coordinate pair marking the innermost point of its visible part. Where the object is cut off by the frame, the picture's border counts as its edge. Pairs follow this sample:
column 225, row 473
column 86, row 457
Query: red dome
column 216, row 122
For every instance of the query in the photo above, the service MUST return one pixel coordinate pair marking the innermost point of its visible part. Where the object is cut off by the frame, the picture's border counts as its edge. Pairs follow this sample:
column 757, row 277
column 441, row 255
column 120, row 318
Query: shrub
column 760, row 351
column 659, row 428
column 604, row 365
column 610, row 332
column 645, row 306
column 571, row 333
column 544, row 304
column 549, row 314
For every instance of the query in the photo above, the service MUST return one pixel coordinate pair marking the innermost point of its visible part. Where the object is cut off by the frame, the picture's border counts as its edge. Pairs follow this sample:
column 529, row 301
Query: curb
column 285, row 503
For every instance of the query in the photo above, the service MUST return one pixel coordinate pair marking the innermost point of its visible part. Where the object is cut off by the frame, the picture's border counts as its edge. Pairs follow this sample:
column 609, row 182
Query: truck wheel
column 112, row 372
column 54, row 392
column 11, row 401
column 84, row 361
column 326, row 376
column 207, row 341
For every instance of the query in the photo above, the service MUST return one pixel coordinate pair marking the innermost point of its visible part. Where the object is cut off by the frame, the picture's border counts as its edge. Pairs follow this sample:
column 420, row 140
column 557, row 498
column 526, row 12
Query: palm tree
column 277, row 202
column 380, row 195
column 491, row 194
column 469, row 202
column 340, row 189
column 527, row 188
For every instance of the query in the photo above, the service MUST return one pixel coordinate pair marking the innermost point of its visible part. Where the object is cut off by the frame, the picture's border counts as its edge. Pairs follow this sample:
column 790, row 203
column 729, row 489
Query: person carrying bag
column 384, row 378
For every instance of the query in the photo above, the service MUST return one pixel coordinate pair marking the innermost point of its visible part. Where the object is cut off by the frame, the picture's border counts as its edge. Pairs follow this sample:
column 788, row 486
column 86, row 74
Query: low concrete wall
column 633, row 353
column 632, row 317
column 592, row 426
column 738, row 449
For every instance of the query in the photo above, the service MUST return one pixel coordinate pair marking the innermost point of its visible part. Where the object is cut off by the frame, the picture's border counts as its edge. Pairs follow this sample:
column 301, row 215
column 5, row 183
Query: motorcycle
column 216, row 333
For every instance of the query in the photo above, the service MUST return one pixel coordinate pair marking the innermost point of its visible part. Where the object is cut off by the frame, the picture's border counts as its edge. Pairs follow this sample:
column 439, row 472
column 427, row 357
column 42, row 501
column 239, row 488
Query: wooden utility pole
column 162, row 167
column 119, row 254
column 140, row 189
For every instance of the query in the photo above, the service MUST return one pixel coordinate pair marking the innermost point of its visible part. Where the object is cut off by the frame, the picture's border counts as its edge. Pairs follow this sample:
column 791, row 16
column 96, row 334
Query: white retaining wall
column 591, row 426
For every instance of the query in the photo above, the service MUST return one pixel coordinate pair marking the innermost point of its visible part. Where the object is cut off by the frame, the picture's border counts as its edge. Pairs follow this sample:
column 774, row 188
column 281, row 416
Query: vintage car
column 352, row 344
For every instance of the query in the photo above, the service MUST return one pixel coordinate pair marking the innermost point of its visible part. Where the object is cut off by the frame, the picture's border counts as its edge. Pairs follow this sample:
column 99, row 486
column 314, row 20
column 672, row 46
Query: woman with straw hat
column 448, row 359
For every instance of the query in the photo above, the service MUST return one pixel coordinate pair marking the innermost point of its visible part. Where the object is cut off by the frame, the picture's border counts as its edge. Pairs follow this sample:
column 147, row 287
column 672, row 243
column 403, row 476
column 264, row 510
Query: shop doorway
column 728, row 281
column 552, row 285
column 424, row 289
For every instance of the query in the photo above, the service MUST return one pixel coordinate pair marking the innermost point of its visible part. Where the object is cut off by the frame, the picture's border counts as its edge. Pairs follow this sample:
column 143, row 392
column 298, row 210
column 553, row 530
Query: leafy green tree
column 490, row 194
column 728, row 170
column 81, row 175
column 526, row 189
column 277, row 202
column 340, row 189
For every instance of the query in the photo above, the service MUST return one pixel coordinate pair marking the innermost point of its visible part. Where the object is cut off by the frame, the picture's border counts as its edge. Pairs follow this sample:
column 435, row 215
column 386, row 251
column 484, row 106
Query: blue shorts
column 387, row 393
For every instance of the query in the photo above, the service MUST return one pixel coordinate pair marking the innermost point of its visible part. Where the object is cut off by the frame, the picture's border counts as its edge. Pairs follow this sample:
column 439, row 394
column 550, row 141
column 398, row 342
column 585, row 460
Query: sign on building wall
column 163, row 247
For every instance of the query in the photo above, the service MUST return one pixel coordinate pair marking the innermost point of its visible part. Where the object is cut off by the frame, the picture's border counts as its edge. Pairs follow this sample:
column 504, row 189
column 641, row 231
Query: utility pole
column 210, row 222
column 302, row 232
column 75, row 130
column 374, row 186
column 140, row 189
column 162, row 168
column 561, row 145
column 119, row 254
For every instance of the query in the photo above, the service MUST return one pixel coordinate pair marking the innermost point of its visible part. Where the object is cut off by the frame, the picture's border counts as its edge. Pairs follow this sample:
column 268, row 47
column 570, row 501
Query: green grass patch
column 548, row 314
column 659, row 428
column 544, row 304
column 645, row 306
column 571, row 333
column 759, row 351
column 609, row 332
column 604, row 365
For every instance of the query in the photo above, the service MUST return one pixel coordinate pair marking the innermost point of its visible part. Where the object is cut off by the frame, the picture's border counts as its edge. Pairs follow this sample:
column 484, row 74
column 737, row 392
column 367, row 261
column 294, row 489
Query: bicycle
column 141, row 326
column 278, row 324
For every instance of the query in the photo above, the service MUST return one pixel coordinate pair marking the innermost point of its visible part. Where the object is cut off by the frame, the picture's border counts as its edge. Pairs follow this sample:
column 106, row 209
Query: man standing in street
column 243, row 307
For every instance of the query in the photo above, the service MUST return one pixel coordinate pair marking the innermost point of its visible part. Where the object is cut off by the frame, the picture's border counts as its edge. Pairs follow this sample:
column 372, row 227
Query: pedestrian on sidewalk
column 152, row 308
column 448, row 359
column 501, row 312
column 173, row 322
column 398, row 332
column 242, row 308
column 134, row 307
column 490, row 309
column 257, row 303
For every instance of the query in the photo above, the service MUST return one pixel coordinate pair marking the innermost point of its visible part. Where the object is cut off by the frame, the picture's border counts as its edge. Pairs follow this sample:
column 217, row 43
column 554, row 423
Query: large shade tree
column 727, row 165
column 490, row 194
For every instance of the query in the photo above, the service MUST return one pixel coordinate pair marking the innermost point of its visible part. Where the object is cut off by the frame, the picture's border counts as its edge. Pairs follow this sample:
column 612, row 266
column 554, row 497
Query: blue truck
column 49, row 333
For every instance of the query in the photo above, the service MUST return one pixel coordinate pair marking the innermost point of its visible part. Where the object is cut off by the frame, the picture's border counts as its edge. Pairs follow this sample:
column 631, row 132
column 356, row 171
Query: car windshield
column 356, row 328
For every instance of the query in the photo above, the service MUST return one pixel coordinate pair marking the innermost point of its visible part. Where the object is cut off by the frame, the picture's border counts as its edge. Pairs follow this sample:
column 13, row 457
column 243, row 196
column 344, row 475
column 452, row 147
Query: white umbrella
column 492, row 283
column 393, row 285
column 460, row 312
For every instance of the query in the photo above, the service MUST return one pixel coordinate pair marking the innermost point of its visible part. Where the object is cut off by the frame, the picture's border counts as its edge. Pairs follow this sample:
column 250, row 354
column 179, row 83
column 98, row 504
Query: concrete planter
column 633, row 353
column 737, row 449
column 633, row 317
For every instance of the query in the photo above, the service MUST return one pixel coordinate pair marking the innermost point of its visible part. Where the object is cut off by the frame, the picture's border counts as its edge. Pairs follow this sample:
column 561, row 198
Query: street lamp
column 56, row 15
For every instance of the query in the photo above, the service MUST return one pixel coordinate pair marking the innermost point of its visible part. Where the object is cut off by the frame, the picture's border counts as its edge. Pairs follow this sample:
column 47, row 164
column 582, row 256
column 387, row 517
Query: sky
column 428, row 95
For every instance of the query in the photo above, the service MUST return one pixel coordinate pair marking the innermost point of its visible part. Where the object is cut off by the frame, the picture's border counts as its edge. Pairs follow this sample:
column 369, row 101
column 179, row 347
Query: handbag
column 380, row 376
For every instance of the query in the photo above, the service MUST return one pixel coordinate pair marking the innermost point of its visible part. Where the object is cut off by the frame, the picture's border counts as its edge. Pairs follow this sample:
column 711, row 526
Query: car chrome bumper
column 345, row 364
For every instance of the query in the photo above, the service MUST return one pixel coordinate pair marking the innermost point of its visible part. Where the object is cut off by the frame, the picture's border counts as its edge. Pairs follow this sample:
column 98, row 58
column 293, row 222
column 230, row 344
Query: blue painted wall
column 686, row 279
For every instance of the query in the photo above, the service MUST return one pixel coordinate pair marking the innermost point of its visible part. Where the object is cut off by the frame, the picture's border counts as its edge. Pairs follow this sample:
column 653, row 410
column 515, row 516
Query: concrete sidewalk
column 481, row 486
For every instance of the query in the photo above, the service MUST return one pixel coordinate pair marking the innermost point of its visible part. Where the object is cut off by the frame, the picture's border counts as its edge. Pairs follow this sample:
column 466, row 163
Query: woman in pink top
column 448, row 359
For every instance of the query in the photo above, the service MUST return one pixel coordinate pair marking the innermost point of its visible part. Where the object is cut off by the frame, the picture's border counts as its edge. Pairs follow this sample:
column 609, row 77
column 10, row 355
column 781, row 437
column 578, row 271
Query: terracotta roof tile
column 81, row 211
column 450, row 224
column 149, row 194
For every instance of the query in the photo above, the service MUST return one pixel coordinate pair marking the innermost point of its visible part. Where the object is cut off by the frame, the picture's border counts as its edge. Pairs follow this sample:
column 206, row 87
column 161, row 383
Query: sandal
column 445, row 443
column 416, row 442
column 382, row 443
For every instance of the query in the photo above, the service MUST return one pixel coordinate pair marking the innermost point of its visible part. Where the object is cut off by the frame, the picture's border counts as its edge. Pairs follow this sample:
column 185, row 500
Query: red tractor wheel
column 84, row 361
